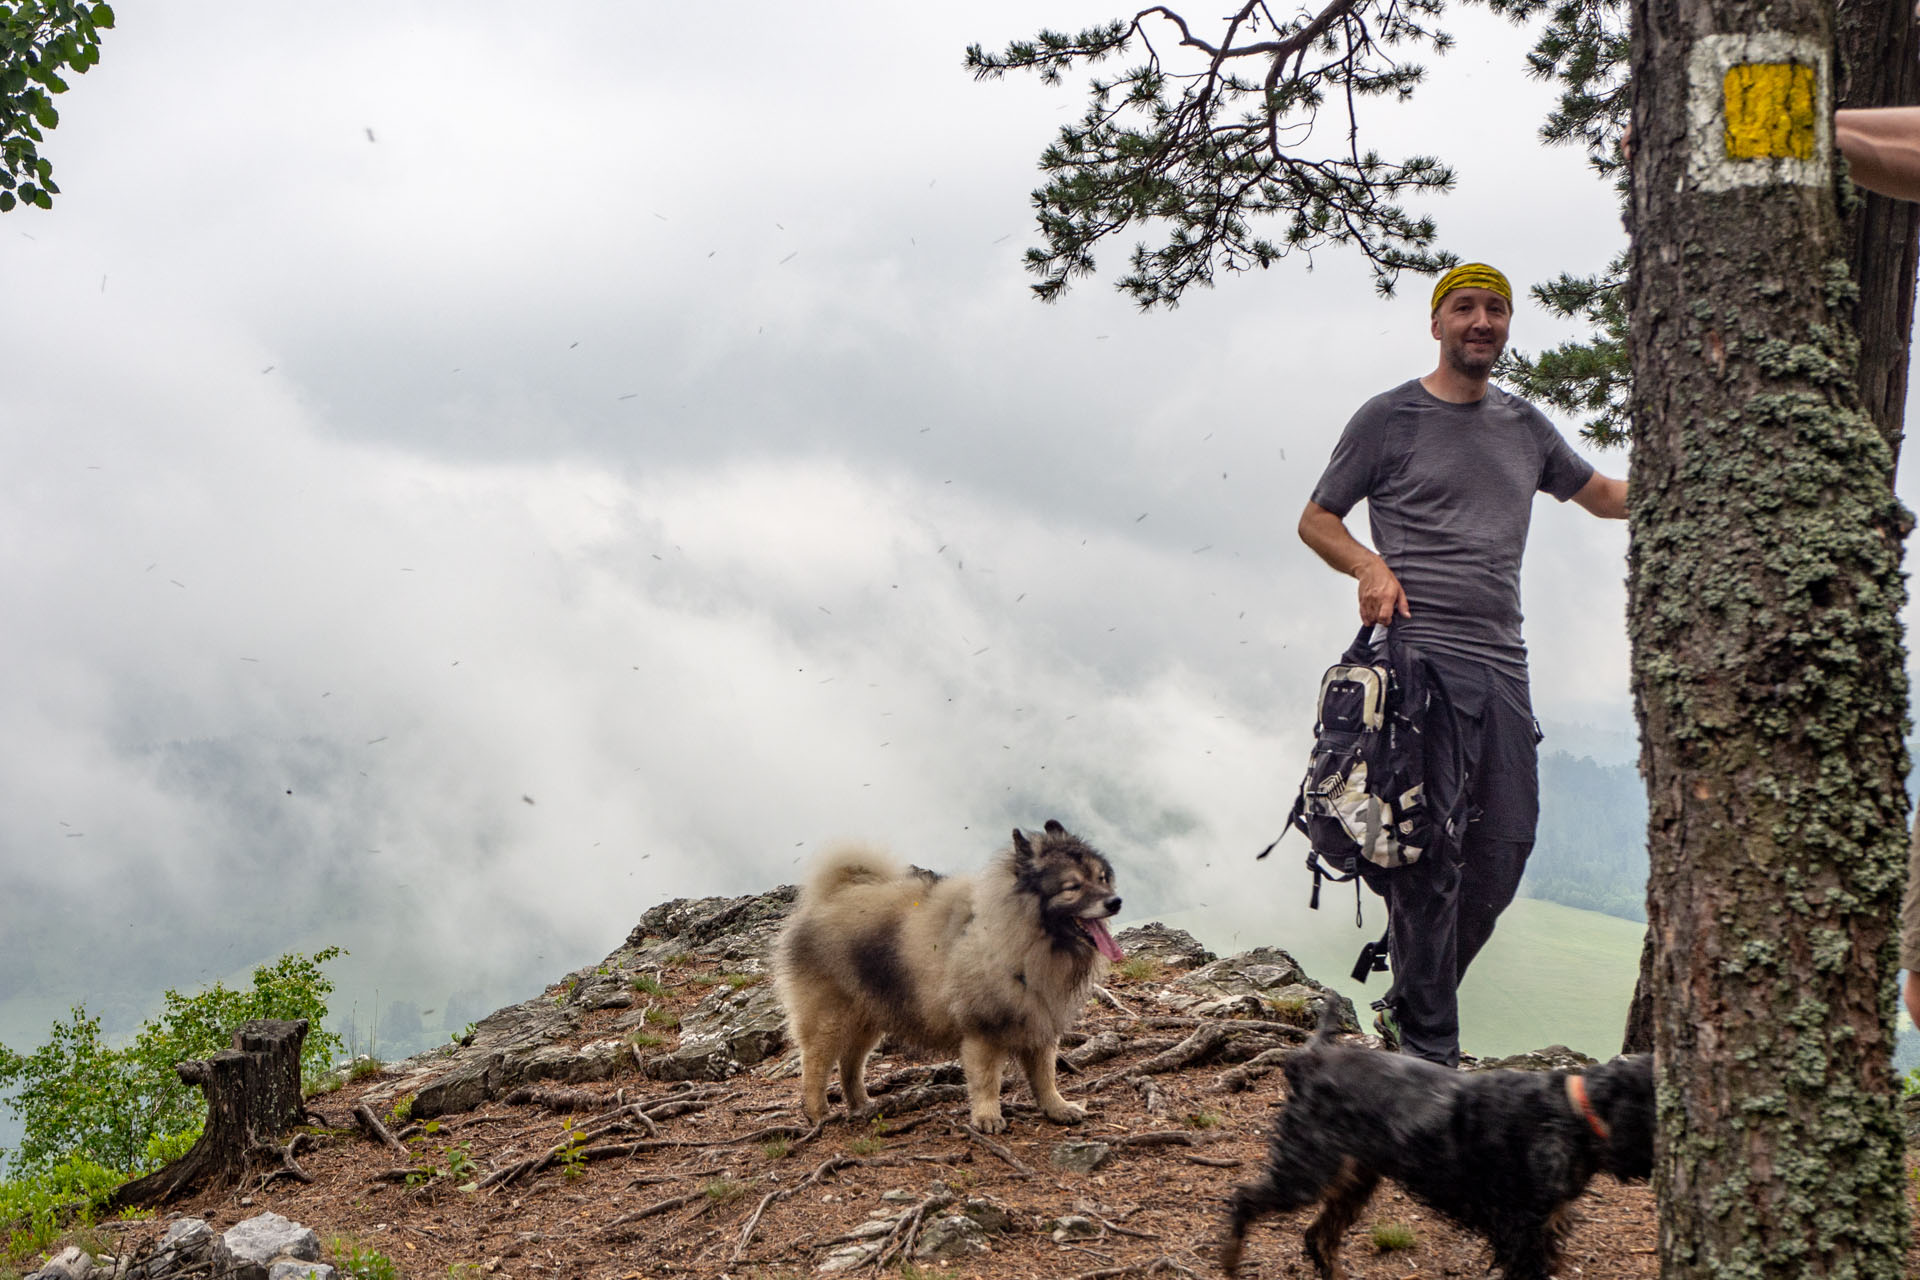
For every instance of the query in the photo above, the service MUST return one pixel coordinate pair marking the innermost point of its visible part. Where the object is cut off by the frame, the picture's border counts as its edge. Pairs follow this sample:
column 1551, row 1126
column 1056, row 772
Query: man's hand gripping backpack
column 1367, row 805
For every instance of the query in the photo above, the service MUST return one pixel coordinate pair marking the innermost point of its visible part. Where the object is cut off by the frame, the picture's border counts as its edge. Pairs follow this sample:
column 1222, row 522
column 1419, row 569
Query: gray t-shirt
column 1449, row 490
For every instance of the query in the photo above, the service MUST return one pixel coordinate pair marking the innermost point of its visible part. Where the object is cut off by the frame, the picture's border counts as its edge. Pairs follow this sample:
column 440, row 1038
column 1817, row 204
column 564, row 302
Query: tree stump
column 253, row 1096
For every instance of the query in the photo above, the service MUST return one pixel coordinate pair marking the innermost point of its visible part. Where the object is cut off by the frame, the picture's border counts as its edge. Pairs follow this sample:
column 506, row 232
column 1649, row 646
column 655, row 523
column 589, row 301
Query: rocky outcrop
column 264, row 1247
column 533, row 1042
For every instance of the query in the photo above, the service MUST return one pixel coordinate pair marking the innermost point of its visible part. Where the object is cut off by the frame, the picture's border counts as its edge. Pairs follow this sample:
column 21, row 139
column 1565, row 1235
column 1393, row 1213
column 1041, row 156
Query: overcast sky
column 473, row 472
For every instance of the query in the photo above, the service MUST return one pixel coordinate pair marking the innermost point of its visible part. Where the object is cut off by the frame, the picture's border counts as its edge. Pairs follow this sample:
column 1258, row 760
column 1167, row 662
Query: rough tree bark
column 1768, row 665
column 253, row 1096
column 1877, row 61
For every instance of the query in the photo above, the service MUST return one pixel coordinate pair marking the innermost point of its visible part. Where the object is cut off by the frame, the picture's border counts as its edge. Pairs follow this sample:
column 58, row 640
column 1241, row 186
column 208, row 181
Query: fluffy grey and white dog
column 996, row 965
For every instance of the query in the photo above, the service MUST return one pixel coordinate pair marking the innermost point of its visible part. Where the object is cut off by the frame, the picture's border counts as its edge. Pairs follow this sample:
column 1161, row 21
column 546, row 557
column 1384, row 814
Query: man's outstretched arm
column 1882, row 147
column 1380, row 594
column 1604, row 496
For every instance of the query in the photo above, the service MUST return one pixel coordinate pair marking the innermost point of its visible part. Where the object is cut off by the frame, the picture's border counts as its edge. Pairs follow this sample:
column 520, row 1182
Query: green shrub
column 37, row 1209
column 121, row 1108
column 353, row 1261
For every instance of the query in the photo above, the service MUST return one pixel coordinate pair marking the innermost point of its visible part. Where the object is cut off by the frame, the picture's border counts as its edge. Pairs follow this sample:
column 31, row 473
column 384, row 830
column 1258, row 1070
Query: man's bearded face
column 1471, row 325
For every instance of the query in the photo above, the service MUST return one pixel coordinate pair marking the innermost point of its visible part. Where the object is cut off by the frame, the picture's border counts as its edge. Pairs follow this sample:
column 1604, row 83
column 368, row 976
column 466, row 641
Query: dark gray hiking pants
column 1441, row 913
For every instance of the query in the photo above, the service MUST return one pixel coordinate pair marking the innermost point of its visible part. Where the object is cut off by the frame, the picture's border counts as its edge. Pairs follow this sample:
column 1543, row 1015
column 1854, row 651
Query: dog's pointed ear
column 1054, row 827
column 1022, row 851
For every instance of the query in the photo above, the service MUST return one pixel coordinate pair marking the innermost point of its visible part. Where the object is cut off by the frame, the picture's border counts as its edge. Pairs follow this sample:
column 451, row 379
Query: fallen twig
column 1157, row 1138
column 653, row 1210
column 370, row 1124
column 995, row 1148
column 825, row 1167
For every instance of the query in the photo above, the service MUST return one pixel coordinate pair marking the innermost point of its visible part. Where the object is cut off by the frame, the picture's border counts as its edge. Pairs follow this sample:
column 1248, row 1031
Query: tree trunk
column 253, row 1096
column 1768, row 666
column 1877, row 53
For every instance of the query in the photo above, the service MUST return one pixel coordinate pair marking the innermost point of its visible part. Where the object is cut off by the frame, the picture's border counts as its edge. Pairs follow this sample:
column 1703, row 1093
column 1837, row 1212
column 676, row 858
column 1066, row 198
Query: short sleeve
column 1351, row 472
column 1563, row 472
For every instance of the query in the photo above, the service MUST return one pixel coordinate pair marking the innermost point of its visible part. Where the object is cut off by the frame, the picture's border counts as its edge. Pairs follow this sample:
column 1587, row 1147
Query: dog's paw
column 1066, row 1113
column 989, row 1122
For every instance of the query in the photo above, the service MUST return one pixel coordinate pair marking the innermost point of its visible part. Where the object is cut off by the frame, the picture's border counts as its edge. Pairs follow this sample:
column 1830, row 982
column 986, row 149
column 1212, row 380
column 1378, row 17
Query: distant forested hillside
column 1591, row 849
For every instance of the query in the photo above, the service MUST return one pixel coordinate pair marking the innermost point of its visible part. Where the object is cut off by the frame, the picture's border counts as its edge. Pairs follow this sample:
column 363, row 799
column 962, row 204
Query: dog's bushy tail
column 847, row 865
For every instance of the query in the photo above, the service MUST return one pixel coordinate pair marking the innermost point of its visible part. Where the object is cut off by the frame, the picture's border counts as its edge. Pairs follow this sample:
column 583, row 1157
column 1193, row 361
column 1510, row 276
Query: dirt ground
column 729, row 1180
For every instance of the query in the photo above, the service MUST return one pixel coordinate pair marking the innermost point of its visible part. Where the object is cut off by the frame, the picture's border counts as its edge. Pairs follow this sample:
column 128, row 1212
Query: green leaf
column 7, row 201
column 102, row 15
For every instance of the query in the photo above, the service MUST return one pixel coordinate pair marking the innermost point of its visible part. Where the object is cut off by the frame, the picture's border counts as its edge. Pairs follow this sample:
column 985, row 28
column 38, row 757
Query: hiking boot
column 1387, row 1027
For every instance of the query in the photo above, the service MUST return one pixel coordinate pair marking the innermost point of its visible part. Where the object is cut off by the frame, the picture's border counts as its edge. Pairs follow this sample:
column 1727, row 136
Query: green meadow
column 1551, row 975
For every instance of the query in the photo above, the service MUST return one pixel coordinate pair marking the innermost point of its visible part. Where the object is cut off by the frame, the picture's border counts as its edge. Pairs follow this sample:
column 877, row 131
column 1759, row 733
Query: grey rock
column 250, row 1247
column 694, row 923
column 697, row 1058
column 300, row 1271
column 1555, row 1057
column 1074, row 1227
column 750, row 1021
column 993, row 1218
column 1281, row 988
column 1175, row 948
column 1081, row 1157
column 70, row 1263
column 516, row 1046
column 847, row 1258
column 187, row 1244
column 188, row 1236
column 952, row 1235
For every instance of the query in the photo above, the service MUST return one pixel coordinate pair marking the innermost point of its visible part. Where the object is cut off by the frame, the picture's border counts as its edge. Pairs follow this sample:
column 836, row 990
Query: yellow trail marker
column 1769, row 111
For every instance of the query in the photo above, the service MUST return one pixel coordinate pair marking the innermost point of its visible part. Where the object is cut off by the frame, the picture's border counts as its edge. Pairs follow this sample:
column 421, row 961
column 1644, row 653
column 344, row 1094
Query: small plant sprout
column 1141, row 968
column 724, row 1190
column 573, row 1156
column 777, row 1148
column 649, row 984
column 1391, row 1237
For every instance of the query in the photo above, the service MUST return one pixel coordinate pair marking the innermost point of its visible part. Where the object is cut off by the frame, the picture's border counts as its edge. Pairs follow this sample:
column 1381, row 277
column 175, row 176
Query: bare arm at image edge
column 1882, row 147
column 1380, row 594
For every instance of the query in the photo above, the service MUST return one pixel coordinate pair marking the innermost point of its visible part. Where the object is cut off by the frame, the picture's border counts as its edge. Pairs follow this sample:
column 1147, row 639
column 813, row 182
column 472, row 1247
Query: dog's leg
column 816, row 1060
column 982, row 1060
column 854, row 1049
column 1347, row 1195
column 1528, row 1248
column 1294, row 1178
column 1040, row 1068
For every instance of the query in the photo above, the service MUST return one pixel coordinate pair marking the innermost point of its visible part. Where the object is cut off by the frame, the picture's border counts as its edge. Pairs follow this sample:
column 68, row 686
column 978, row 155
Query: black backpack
column 1367, row 806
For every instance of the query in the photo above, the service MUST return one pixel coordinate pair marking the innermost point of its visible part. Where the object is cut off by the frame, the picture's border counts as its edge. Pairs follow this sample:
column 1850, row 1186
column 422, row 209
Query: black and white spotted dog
column 1503, row 1153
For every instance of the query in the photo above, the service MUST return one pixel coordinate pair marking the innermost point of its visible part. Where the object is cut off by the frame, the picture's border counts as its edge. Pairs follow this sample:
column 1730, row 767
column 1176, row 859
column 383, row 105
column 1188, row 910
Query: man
column 1449, row 466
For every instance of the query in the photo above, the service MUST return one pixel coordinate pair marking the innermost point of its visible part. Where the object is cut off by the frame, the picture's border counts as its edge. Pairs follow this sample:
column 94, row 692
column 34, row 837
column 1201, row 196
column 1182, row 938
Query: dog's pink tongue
column 1097, row 930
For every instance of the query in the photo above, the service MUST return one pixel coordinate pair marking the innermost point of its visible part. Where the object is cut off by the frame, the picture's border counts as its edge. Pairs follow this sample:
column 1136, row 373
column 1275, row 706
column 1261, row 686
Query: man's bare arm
column 1604, row 496
column 1882, row 147
column 1380, row 593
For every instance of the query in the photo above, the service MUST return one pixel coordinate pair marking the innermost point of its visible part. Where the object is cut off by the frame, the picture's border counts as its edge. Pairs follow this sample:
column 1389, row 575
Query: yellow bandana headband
column 1471, row 275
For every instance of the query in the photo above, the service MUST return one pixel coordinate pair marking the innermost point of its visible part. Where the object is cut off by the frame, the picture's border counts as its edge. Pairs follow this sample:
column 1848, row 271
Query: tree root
column 371, row 1126
column 982, row 1140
